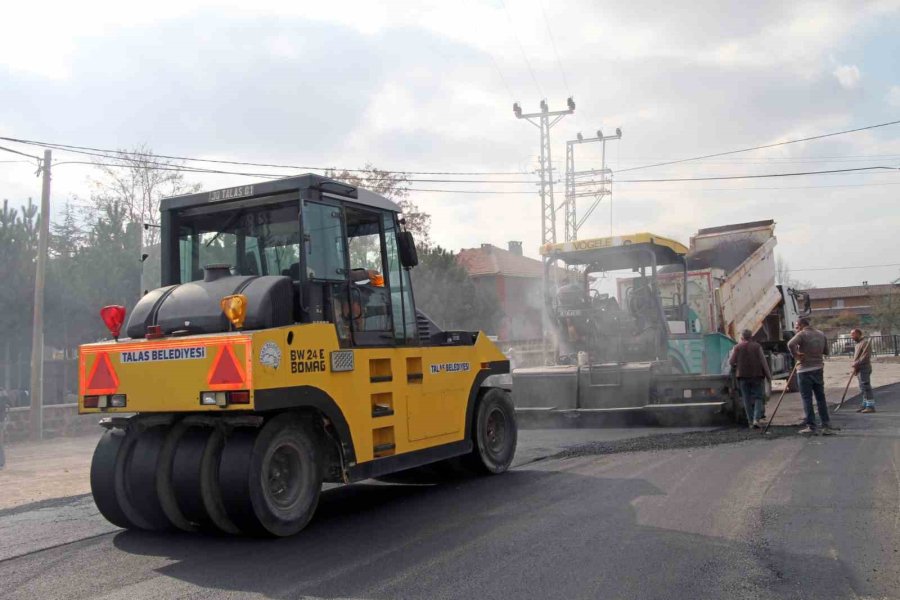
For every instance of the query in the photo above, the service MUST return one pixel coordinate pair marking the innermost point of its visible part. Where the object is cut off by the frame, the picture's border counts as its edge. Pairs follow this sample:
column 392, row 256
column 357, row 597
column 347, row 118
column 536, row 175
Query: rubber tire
column 165, row 489
column 107, row 479
column 186, row 477
column 242, row 469
column 210, row 491
column 482, row 459
column 141, row 468
column 195, row 480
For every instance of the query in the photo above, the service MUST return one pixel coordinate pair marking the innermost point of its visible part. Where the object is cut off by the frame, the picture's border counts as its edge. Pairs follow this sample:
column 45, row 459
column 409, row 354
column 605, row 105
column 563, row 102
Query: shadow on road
column 526, row 534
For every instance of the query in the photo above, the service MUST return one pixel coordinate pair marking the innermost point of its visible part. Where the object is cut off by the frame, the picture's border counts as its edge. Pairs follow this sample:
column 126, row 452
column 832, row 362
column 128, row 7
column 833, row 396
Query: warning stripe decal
column 103, row 378
column 225, row 372
column 244, row 367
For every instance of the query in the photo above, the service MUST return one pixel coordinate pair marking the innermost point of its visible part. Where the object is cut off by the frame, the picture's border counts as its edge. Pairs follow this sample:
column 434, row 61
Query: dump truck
column 731, row 286
column 618, row 358
column 283, row 350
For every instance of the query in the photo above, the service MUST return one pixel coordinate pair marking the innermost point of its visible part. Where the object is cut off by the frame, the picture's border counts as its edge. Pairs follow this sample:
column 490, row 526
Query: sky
column 429, row 86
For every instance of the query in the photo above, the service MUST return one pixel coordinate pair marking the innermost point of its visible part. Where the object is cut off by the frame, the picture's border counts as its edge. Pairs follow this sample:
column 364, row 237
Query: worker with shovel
column 862, row 367
column 809, row 347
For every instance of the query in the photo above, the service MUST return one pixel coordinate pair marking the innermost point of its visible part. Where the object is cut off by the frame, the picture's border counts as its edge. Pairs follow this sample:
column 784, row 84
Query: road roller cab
column 283, row 349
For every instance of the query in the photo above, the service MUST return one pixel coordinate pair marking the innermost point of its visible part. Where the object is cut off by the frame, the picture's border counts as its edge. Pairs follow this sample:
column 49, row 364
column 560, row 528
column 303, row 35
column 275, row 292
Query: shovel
column 780, row 398
column 847, row 387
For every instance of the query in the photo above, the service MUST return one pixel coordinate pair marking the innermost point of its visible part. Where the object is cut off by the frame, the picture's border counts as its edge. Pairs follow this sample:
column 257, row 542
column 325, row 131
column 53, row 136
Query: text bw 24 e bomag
column 284, row 350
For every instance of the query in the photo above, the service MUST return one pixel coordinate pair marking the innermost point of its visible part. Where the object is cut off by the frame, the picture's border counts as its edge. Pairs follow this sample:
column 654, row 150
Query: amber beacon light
column 235, row 309
column 113, row 316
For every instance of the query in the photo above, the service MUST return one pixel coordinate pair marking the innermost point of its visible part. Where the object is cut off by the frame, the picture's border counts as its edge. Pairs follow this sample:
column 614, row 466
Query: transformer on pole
column 585, row 183
column 544, row 120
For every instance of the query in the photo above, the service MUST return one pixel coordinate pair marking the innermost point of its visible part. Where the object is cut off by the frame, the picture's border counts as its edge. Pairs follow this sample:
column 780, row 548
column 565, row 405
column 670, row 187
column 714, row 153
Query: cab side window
column 368, row 306
column 398, row 281
column 324, row 243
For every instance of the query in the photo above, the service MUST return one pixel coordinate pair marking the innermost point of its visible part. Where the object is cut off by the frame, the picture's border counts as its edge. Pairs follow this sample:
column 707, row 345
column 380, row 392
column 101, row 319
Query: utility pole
column 598, row 189
column 37, row 332
column 544, row 120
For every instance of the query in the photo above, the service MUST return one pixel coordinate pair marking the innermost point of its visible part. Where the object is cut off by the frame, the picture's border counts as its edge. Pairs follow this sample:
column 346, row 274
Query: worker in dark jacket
column 752, row 370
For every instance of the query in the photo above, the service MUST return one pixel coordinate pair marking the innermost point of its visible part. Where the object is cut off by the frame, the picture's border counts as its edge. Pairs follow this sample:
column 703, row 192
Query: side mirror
column 407, row 246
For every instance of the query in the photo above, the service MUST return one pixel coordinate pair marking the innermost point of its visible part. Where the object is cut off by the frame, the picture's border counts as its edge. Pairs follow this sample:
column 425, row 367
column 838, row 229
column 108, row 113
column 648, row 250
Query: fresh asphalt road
column 670, row 517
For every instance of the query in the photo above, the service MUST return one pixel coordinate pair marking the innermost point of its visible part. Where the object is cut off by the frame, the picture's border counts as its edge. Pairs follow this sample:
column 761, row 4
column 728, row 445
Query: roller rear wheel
column 141, row 481
column 195, row 480
column 164, row 476
column 271, row 478
column 108, row 479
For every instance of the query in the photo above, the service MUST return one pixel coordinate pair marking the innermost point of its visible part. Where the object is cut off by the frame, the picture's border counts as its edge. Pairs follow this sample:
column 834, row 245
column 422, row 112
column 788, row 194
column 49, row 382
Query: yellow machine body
column 385, row 401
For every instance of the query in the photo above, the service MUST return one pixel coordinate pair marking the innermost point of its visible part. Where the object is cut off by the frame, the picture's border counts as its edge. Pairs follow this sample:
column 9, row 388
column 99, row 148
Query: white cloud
column 422, row 85
column 848, row 76
column 893, row 96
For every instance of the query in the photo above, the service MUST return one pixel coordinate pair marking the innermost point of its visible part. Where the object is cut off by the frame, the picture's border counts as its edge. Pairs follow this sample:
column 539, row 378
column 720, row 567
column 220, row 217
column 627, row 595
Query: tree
column 443, row 289
column 843, row 322
column 18, row 250
column 395, row 187
column 445, row 292
column 102, row 268
column 886, row 311
column 784, row 276
column 136, row 180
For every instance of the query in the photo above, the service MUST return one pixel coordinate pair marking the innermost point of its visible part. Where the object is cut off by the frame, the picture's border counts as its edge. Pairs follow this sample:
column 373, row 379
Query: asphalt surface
column 703, row 514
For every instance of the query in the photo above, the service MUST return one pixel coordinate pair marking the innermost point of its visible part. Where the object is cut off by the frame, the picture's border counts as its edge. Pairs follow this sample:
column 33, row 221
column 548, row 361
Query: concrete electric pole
column 598, row 189
column 544, row 120
column 37, row 332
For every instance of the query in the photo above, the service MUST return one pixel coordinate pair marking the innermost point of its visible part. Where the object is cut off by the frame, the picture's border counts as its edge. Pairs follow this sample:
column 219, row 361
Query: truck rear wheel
column 271, row 478
column 494, row 433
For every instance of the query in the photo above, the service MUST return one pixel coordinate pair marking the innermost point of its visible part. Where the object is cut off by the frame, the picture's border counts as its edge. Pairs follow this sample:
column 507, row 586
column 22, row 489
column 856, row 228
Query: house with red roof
column 518, row 281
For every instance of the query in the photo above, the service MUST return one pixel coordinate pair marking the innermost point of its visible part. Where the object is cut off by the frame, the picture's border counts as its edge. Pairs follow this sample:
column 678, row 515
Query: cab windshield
column 252, row 238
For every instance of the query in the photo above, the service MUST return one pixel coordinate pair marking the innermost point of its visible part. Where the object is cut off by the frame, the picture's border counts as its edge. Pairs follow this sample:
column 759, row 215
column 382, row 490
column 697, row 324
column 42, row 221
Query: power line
column 763, row 176
column 846, row 268
column 806, row 139
column 512, row 98
column 486, row 192
column 771, row 188
column 190, row 169
column 121, row 153
column 169, row 167
column 555, row 51
column 781, row 159
column 735, row 177
column 5, row 149
column 522, row 49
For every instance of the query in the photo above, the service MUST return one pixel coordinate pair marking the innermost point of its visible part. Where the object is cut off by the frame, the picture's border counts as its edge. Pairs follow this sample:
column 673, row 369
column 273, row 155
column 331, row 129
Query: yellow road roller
column 283, row 350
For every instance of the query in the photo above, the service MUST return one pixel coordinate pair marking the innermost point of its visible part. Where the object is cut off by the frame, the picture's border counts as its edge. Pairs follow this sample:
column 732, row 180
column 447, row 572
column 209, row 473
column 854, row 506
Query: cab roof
column 618, row 252
column 329, row 187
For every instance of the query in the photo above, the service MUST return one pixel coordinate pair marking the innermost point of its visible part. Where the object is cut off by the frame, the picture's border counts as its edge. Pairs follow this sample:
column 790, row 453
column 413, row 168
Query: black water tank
column 195, row 307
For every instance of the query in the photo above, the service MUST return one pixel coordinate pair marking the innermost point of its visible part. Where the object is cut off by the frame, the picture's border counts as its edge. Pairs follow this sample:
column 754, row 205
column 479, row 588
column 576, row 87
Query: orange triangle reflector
column 103, row 379
column 226, row 371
